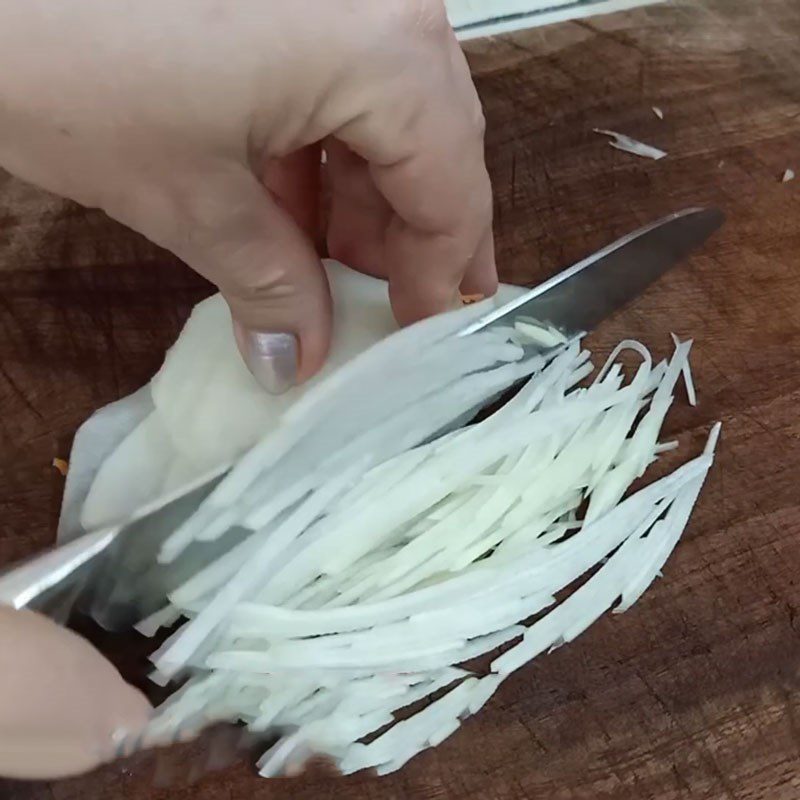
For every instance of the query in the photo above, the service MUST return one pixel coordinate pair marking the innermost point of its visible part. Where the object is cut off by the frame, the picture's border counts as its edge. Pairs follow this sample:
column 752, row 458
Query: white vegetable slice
column 336, row 395
column 687, row 376
column 217, row 572
column 628, row 145
column 208, row 407
column 361, row 429
column 673, row 524
column 436, row 738
column 274, row 761
column 412, row 733
column 115, row 491
column 544, row 337
column 171, row 659
column 163, row 618
column 372, row 578
column 483, row 691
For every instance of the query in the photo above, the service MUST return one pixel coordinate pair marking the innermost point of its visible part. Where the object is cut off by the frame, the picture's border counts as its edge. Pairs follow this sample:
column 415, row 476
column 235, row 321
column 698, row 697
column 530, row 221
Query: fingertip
column 136, row 708
column 279, row 298
column 130, row 717
column 283, row 344
column 483, row 282
column 429, row 272
column 272, row 358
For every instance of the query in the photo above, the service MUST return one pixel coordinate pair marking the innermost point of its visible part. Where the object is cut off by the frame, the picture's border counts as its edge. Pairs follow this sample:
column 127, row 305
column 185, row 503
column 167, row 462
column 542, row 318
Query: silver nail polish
column 272, row 358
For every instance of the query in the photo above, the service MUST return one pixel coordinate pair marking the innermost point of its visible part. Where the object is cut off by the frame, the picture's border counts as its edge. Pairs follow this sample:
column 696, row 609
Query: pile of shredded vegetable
column 395, row 540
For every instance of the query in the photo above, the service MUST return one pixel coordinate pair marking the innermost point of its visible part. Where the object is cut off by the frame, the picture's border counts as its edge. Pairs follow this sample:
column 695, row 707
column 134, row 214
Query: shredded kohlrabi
column 629, row 145
column 391, row 542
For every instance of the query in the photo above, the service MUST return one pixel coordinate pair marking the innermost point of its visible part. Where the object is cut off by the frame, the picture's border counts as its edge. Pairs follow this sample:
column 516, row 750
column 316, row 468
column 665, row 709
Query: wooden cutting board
column 693, row 693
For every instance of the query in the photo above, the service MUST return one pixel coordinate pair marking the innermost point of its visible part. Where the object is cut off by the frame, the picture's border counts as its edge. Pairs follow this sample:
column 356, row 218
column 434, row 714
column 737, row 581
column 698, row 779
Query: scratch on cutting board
column 19, row 393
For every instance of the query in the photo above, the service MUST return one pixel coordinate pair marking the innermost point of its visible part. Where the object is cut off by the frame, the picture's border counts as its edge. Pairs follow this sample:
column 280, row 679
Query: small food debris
column 466, row 570
column 628, row 145
column 720, row 165
column 61, row 465
column 691, row 394
column 538, row 334
column 658, row 112
column 788, row 176
column 469, row 299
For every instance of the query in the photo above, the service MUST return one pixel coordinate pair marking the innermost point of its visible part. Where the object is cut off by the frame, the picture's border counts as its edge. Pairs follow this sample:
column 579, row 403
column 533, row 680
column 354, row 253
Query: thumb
column 229, row 228
column 62, row 705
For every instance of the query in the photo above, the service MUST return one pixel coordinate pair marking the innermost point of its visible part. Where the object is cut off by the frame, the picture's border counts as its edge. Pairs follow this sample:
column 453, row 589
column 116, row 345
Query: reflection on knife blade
column 576, row 300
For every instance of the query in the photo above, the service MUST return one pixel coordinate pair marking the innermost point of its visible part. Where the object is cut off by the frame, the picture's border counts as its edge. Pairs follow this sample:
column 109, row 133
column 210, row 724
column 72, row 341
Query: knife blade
column 573, row 302
column 576, row 300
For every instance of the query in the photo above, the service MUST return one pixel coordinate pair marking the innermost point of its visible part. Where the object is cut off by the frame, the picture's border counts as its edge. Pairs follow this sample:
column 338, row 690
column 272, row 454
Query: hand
column 200, row 123
column 62, row 705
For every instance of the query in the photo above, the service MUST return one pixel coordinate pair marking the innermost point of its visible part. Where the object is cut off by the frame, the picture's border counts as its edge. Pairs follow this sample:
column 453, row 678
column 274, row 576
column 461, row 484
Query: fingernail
column 272, row 358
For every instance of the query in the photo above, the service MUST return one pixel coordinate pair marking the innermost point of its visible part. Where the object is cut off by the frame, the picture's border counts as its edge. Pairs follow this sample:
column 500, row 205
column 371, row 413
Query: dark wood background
column 692, row 694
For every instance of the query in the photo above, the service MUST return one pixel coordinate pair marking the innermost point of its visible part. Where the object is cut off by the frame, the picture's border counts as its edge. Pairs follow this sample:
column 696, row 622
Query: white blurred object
column 203, row 409
column 475, row 18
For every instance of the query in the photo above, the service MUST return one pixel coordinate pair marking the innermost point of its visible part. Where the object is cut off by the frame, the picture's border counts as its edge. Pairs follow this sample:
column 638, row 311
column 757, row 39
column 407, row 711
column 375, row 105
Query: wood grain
column 692, row 694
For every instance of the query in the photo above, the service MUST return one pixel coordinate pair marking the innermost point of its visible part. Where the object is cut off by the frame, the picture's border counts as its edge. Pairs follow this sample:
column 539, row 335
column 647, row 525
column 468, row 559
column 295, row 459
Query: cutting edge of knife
column 33, row 577
column 27, row 581
column 555, row 280
column 23, row 584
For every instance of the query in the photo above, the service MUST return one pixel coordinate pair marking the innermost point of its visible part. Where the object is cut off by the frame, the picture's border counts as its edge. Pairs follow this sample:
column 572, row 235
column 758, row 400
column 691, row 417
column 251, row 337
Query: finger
column 359, row 213
column 294, row 182
column 426, row 157
column 226, row 226
column 481, row 275
column 62, row 705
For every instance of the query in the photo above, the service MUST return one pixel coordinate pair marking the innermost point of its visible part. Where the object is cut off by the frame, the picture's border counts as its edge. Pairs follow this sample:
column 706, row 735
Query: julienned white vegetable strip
column 629, row 145
column 307, row 435
column 687, row 377
column 386, row 552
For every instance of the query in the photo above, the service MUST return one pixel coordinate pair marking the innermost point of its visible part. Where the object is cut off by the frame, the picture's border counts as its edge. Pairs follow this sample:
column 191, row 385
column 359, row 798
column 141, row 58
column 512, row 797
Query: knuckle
column 265, row 288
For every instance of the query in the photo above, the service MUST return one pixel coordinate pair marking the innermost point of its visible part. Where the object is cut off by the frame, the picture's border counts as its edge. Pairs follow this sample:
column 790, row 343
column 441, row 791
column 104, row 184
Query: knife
column 572, row 302
column 578, row 299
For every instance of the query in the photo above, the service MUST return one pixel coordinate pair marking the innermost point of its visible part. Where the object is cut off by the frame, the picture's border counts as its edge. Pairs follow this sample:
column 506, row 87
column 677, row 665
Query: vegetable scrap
column 688, row 381
column 628, row 145
column 390, row 549
column 61, row 465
